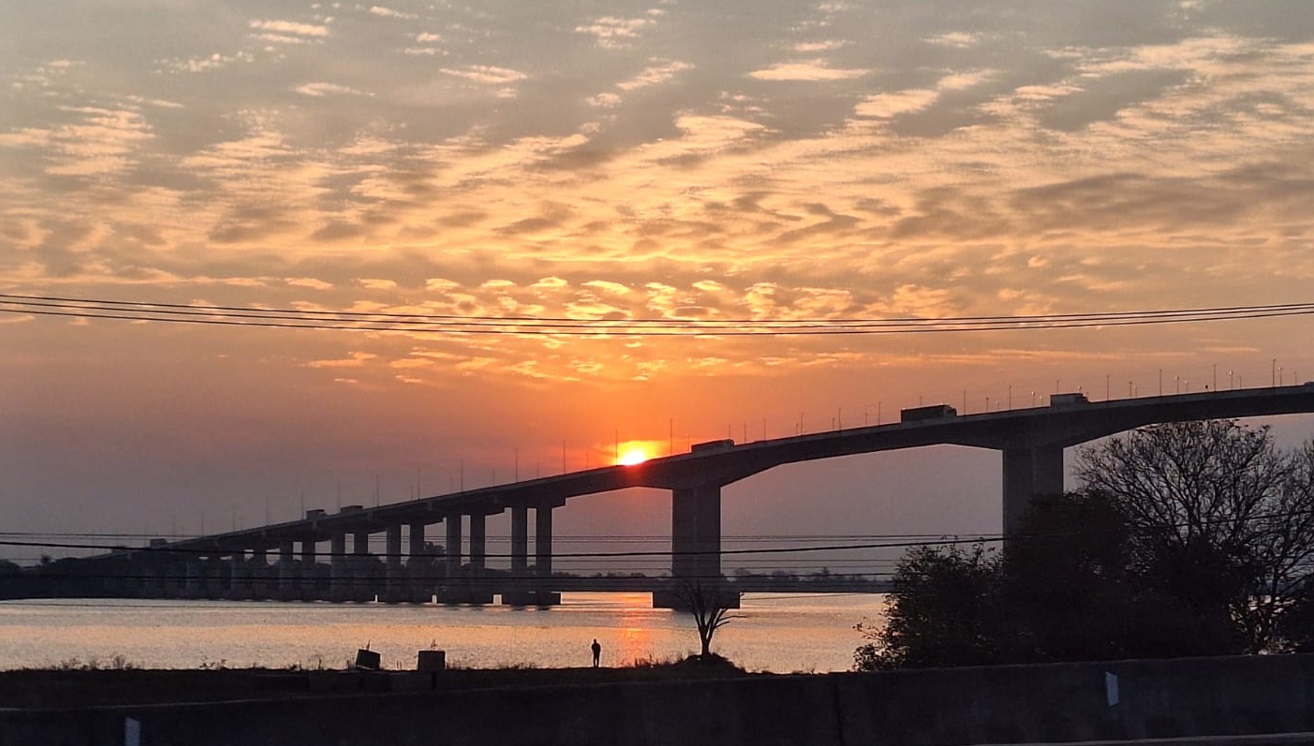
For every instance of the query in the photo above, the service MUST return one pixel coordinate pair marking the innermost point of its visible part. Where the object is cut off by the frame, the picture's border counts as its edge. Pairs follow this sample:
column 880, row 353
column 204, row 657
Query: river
column 776, row 632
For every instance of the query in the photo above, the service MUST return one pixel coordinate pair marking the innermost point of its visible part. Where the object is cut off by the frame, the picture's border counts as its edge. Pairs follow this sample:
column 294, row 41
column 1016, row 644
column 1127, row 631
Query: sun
column 633, row 455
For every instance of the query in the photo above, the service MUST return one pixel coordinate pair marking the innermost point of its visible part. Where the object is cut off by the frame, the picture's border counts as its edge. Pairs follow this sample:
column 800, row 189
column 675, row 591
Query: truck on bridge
column 933, row 412
column 712, row 446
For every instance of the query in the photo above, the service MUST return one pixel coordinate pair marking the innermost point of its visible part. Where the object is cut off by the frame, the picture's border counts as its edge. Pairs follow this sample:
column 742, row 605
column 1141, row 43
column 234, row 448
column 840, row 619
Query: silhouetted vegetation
column 1185, row 539
column 710, row 605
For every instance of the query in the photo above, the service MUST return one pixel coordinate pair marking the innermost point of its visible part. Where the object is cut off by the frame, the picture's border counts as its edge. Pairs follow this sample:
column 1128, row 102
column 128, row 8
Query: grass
column 117, row 681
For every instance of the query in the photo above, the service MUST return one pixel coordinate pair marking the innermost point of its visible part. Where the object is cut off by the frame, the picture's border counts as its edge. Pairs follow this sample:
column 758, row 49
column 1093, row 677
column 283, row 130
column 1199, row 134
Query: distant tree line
column 1183, row 539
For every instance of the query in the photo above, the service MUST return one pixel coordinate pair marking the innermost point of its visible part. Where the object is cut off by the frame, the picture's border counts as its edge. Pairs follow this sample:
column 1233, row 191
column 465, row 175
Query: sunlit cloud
column 319, row 90
column 309, row 282
column 612, row 32
column 353, row 360
column 805, row 71
column 289, row 32
column 656, row 74
column 379, row 10
column 486, row 74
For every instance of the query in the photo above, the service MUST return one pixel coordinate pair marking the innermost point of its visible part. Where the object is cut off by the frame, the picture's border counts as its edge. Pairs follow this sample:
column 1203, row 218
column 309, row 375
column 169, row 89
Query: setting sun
column 633, row 454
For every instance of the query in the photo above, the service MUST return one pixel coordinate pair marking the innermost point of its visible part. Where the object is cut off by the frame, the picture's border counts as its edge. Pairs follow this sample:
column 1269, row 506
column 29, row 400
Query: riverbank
column 71, row 688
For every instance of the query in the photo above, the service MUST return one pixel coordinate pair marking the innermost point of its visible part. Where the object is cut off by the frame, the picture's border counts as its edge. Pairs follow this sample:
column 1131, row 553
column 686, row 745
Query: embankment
column 1009, row 704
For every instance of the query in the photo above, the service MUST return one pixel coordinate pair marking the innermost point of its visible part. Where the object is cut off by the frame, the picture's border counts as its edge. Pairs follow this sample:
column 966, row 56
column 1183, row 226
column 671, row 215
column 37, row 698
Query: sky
column 606, row 161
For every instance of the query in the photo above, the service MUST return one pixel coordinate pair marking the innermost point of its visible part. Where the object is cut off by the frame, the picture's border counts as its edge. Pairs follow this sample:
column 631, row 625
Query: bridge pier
column 461, row 587
column 192, row 585
column 259, row 570
column 419, row 567
column 517, row 590
column 695, row 546
column 339, row 578
column 287, row 571
column 307, row 572
column 519, row 541
column 543, row 593
column 452, row 549
column 478, row 543
column 362, row 589
column 394, row 579
column 526, row 587
column 1029, row 472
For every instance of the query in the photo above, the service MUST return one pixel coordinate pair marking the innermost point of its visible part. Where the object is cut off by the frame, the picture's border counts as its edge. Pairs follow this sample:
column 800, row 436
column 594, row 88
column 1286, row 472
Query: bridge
column 237, row 564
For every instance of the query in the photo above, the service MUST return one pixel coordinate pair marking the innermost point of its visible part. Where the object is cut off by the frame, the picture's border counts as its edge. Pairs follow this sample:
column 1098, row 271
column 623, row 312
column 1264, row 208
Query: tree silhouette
column 710, row 604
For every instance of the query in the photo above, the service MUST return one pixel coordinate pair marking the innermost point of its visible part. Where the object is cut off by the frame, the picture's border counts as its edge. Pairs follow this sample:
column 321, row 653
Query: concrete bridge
column 1031, row 440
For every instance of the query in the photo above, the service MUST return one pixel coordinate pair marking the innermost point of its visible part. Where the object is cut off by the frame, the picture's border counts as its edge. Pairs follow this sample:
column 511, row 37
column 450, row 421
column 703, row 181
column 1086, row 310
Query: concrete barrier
column 1205, row 700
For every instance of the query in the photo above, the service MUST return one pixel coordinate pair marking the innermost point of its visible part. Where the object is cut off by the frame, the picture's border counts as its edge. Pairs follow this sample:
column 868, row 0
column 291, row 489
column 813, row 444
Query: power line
column 288, row 318
column 555, row 555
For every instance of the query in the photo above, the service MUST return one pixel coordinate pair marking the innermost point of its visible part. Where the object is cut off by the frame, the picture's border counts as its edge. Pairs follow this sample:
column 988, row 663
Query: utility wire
column 286, row 318
column 555, row 555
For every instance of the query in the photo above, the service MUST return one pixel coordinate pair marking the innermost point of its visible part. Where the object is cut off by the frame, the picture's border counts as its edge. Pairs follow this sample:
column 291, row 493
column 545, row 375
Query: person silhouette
column 597, row 652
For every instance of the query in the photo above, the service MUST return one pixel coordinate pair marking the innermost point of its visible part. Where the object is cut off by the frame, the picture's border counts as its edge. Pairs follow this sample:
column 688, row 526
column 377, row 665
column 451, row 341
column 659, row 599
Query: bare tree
column 710, row 604
column 1217, row 512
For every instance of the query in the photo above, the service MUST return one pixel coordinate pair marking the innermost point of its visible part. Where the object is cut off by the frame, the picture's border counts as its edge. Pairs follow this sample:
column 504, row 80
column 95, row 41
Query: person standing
column 597, row 652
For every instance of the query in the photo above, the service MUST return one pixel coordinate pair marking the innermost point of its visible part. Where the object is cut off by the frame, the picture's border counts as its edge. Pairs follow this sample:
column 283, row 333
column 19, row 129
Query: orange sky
column 664, row 160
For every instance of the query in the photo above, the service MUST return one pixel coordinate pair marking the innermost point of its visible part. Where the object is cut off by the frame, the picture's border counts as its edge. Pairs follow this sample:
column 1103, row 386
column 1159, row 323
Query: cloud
column 813, row 47
column 289, row 32
column 815, row 71
column 355, row 359
column 486, row 74
column 320, row 90
column 657, row 73
column 890, row 105
column 611, row 32
column 97, row 142
column 955, row 39
column 609, row 288
column 379, row 10
column 309, row 282
column 212, row 62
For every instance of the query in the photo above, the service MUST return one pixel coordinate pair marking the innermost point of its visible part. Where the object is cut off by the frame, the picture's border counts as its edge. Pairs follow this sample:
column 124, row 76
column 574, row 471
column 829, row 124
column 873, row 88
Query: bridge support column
column 519, row 540
column 339, row 574
column 542, row 594
column 287, row 570
column 1029, row 472
column 259, row 567
column 306, row 571
column 543, row 543
column 192, row 585
column 419, row 567
column 452, row 524
column 395, row 582
column 362, row 588
column 518, row 590
column 416, row 541
column 695, row 546
column 477, row 590
column 478, row 543
column 453, row 589
column 241, row 577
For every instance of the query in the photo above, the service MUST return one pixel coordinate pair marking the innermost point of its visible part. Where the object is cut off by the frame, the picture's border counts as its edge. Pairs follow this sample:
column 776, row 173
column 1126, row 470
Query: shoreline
column 55, row 688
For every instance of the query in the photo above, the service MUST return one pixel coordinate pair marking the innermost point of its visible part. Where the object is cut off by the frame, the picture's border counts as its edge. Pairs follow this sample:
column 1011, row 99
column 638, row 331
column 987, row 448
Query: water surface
column 776, row 632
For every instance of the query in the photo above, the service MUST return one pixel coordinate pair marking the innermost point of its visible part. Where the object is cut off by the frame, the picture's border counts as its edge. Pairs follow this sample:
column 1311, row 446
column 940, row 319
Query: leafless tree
column 710, row 604
column 1219, row 504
